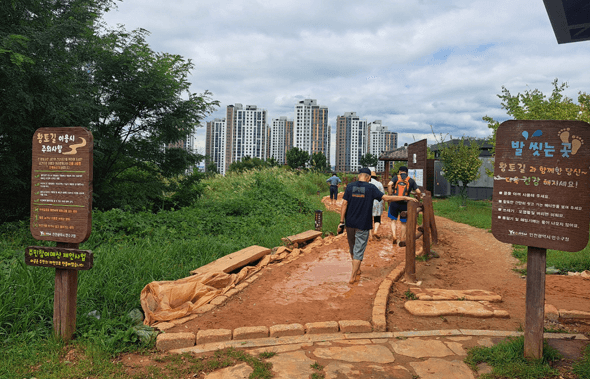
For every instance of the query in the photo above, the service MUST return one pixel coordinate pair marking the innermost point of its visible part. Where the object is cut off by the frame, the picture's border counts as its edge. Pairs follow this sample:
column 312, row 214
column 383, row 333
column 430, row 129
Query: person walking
column 357, row 215
column 334, row 181
column 377, row 205
column 400, row 185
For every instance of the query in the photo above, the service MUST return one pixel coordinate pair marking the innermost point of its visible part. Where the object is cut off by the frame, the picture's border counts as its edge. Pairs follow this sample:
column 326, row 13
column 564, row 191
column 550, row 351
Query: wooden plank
column 234, row 261
column 411, row 242
column 535, row 302
column 303, row 237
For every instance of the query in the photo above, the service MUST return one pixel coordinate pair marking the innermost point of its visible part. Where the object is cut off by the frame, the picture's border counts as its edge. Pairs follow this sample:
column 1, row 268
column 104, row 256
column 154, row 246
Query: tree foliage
column 319, row 162
column 60, row 67
column 461, row 163
column 297, row 158
column 369, row 160
column 534, row 105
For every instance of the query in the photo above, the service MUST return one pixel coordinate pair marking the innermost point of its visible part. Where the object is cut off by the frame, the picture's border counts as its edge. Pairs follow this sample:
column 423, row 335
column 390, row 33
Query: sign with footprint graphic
column 61, row 184
column 541, row 184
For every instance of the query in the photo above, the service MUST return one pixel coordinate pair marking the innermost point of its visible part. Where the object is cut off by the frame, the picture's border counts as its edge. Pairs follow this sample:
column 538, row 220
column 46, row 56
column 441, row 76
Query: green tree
column 318, row 162
column 59, row 67
column 534, row 105
column 461, row 163
column 297, row 158
column 369, row 160
column 211, row 167
column 247, row 163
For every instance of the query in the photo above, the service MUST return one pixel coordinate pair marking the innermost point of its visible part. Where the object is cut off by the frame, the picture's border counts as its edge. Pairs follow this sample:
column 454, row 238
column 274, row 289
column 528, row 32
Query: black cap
column 403, row 168
column 365, row 170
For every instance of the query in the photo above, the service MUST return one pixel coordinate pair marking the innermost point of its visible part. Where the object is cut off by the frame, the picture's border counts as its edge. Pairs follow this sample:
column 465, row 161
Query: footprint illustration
column 577, row 142
column 75, row 147
column 564, row 135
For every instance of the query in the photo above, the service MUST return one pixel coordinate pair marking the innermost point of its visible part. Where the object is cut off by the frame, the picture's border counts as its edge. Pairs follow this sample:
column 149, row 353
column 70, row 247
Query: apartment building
column 215, row 143
column 280, row 136
column 352, row 141
column 245, row 134
column 311, row 131
column 380, row 140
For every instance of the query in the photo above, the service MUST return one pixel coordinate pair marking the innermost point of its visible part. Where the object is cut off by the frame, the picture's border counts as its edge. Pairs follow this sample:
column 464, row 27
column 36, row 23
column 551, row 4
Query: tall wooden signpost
column 61, row 211
column 541, row 200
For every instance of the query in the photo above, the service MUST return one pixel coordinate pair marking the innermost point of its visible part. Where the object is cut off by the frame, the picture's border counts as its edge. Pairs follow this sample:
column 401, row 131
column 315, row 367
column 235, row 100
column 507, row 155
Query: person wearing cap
column 357, row 215
column 334, row 181
column 377, row 205
column 400, row 185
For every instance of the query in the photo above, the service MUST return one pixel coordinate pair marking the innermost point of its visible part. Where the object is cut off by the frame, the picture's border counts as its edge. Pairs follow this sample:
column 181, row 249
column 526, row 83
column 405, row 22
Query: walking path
column 424, row 354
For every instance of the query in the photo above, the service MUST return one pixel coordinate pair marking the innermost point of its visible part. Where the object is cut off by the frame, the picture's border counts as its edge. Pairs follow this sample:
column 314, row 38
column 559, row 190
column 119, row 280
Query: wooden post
column 426, row 225
column 65, row 299
column 411, row 241
column 427, row 203
column 535, row 302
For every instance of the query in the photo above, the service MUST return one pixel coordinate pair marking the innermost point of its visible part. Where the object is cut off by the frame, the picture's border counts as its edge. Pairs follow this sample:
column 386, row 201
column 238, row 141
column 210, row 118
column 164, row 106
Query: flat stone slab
column 452, row 308
column 436, row 368
column 302, row 237
column 240, row 371
column 292, row 365
column 417, row 348
column 234, row 261
column 357, row 353
column 442, row 294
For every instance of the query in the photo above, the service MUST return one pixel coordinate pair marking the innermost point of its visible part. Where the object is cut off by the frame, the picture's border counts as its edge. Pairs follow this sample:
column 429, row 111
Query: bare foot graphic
column 75, row 147
column 564, row 135
column 577, row 142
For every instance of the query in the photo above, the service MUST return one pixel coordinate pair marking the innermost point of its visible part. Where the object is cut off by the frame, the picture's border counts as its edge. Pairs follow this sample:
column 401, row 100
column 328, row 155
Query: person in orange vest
column 400, row 185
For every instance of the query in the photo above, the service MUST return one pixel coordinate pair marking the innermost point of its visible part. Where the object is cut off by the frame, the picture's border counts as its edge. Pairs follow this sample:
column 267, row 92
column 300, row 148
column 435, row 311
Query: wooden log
column 234, row 260
column 535, row 302
column 411, row 242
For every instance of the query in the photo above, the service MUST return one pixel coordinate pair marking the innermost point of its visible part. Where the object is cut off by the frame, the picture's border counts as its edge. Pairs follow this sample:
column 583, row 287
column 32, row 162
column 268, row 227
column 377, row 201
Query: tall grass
column 133, row 249
column 479, row 215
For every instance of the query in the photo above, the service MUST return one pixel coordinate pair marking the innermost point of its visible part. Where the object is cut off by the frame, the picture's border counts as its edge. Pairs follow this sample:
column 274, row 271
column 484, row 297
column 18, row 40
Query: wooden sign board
column 70, row 259
column 541, row 184
column 61, row 185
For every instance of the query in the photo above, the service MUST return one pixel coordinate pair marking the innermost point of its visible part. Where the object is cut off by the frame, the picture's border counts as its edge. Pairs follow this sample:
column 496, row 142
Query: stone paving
column 423, row 354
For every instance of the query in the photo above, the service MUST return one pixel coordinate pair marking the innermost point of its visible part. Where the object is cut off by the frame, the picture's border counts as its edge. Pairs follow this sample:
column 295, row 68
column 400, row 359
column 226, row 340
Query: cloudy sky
column 412, row 64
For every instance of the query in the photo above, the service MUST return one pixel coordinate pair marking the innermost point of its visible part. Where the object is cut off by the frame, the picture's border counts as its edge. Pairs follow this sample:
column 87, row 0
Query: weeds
column 508, row 361
column 410, row 295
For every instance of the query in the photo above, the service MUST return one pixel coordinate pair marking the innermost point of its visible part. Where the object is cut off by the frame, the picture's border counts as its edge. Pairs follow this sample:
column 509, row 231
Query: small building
column 480, row 189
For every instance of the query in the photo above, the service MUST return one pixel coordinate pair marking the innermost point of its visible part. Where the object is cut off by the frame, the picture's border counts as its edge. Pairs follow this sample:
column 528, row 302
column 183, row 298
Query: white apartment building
column 311, row 131
column 278, row 137
column 249, row 137
column 215, row 143
column 380, row 141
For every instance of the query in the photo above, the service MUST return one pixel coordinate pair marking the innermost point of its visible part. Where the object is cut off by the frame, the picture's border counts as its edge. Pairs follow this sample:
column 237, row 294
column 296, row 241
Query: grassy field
column 132, row 250
column 479, row 215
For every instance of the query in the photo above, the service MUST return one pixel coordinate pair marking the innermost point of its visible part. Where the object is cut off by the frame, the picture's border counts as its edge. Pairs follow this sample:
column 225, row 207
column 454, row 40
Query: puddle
column 322, row 279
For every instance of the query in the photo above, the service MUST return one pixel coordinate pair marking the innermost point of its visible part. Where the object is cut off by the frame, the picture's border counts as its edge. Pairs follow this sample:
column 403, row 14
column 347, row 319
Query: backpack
column 402, row 186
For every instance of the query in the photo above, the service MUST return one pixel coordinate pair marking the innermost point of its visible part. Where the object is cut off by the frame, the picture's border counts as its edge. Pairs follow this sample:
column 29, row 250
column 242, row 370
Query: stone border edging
column 307, row 338
column 378, row 318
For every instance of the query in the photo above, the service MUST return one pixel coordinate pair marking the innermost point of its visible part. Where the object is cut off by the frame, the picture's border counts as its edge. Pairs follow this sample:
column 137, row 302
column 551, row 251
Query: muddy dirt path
column 314, row 287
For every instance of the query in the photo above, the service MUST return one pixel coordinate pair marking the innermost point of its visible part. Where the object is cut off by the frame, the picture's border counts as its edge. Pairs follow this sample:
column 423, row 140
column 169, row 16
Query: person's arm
column 343, row 211
column 390, row 188
column 398, row 198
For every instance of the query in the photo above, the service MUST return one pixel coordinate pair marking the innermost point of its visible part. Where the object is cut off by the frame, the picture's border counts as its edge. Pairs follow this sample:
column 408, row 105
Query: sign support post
column 65, row 299
column 535, row 302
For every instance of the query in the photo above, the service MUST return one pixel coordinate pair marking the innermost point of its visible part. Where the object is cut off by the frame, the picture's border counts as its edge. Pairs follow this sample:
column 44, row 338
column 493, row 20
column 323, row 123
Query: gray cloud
column 411, row 64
